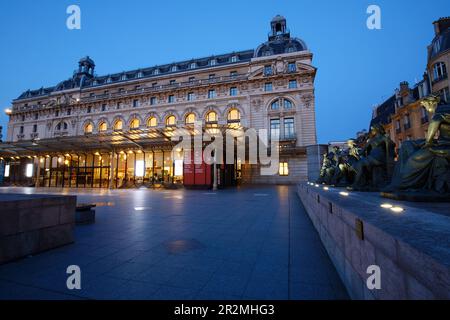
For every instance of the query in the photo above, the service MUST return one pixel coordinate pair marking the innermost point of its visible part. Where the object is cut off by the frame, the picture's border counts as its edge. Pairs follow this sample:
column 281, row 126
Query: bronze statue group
column 421, row 168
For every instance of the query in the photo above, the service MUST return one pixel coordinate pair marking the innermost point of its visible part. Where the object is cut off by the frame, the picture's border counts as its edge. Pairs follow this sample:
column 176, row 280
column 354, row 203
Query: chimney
column 441, row 25
column 404, row 87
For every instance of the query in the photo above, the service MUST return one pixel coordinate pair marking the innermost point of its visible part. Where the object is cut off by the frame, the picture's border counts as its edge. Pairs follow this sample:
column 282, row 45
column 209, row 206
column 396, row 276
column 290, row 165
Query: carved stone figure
column 345, row 171
column 373, row 169
column 423, row 169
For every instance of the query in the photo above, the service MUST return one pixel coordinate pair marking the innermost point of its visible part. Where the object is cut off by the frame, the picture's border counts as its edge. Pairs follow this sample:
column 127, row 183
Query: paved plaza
column 243, row 243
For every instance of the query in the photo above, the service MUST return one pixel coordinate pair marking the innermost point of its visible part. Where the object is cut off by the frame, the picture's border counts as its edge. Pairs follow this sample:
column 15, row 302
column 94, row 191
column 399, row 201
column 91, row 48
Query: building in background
column 439, row 59
column 114, row 130
column 401, row 114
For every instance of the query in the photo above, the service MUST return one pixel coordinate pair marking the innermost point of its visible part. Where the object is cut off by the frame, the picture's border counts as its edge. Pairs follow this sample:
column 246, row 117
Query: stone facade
column 274, row 82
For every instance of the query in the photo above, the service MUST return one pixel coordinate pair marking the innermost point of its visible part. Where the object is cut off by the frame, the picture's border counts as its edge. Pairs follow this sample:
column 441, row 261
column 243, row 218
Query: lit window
column 190, row 118
column 211, row 94
column 118, row 125
column 152, row 122
column 234, row 117
column 233, row 91
column 283, row 169
column 102, row 127
column 7, row 169
column 134, row 124
column 29, row 170
column 268, row 86
column 170, row 121
column 140, row 169
column 211, row 118
column 88, row 128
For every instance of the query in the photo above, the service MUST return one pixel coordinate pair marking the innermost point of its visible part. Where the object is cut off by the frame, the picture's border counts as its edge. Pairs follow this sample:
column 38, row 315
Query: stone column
column 112, row 167
column 38, row 171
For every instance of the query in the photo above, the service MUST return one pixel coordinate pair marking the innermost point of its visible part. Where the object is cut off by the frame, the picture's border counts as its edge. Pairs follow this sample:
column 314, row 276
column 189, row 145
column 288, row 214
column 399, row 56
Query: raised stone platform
column 33, row 223
column 412, row 247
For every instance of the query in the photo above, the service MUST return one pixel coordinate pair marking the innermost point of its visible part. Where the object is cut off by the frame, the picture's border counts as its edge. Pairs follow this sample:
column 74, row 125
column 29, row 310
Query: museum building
column 114, row 131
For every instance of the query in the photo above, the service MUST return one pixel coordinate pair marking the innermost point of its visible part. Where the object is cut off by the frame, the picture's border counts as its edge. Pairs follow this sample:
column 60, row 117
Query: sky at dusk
column 357, row 67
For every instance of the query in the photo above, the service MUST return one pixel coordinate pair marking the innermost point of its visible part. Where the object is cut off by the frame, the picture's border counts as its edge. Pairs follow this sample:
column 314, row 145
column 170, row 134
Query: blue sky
column 357, row 67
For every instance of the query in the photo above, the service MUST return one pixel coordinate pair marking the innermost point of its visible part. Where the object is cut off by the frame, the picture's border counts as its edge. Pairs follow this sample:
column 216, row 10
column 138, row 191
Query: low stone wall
column 33, row 223
column 412, row 248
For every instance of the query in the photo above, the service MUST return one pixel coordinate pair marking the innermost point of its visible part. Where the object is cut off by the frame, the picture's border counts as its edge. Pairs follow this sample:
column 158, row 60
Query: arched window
column 171, row 121
column 211, row 118
column 234, row 115
column 190, row 118
column 152, row 122
column 287, row 104
column 61, row 126
column 102, row 127
column 118, row 125
column 88, row 128
column 134, row 124
column 234, row 118
column 275, row 105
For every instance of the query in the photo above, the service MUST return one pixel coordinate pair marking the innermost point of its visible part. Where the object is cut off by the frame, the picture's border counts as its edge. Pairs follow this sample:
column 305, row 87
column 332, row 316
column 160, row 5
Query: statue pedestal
column 417, row 196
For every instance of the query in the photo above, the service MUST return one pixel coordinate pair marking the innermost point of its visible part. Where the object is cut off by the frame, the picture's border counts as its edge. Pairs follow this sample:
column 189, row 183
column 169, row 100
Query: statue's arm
column 433, row 128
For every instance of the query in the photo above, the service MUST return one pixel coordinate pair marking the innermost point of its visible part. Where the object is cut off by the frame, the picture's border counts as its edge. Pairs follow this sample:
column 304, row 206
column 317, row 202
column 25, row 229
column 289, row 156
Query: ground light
column 386, row 205
column 326, row 188
column 343, row 193
column 397, row 209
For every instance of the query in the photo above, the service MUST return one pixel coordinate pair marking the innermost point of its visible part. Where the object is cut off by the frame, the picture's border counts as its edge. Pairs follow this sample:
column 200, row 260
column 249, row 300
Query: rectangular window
column 57, row 113
column 172, row 82
column 152, row 100
column 444, row 94
column 135, row 103
column 268, row 86
column 292, row 84
column 35, row 128
column 211, row 94
column 21, row 130
column 191, row 96
column 89, row 109
column 119, row 105
column 292, row 67
column 274, row 129
column 171, row 98
column 233, row 91
column 283, row 169
column 7, row 167
column 29, row 170
column 154, row 84
column 69, row 111
column 289, row 132
column 103, row 107
column 36, row 116
column 233, row 74
column 212, row 76
column 191, row 79
column 267, row 70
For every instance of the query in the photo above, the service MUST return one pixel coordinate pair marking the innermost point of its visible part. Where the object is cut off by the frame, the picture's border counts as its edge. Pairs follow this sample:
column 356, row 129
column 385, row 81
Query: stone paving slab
column 183, row 244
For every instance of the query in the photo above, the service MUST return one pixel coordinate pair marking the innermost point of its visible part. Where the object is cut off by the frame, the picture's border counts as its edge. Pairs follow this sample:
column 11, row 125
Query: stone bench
column 34, row 223
column 85, row 213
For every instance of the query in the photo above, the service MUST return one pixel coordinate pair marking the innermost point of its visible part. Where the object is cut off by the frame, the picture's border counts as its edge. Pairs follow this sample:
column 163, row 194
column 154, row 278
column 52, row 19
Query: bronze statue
column 345, row 171
column 329, row 166
column 373, row 169
column 423, row 168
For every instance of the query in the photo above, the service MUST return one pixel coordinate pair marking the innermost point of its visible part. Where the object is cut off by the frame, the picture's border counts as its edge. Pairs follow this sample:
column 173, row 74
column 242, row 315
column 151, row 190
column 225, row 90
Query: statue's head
column 377, row 129
column 351, row 143
column 431, row 102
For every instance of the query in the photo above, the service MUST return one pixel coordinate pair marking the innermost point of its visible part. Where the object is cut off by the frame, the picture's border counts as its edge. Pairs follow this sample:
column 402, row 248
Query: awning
column 148, row 139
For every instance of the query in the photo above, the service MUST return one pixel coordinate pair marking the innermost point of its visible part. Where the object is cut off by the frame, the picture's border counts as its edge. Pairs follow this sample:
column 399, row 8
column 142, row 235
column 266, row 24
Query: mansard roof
column 155, row 71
